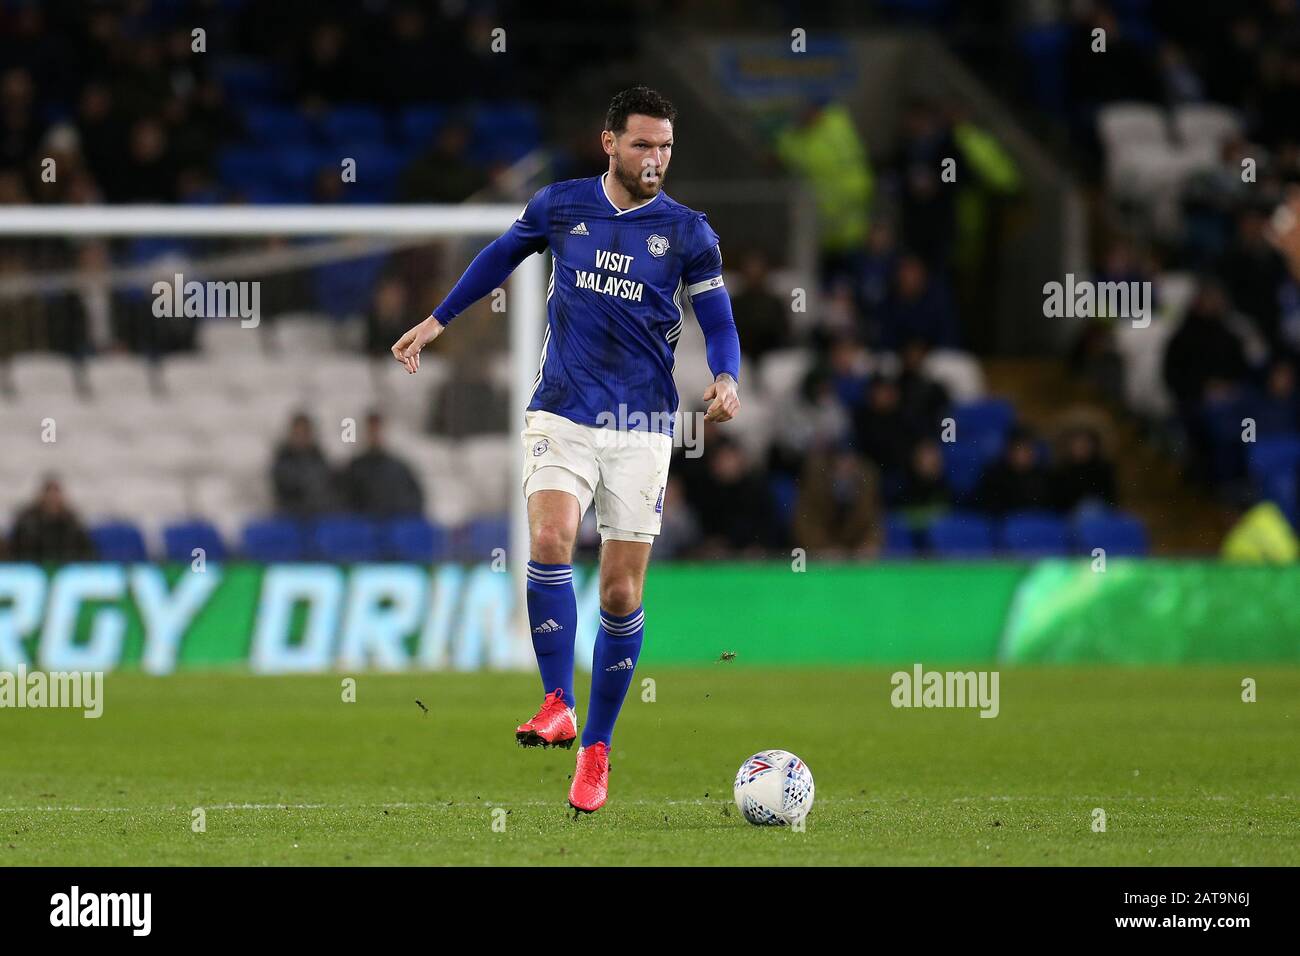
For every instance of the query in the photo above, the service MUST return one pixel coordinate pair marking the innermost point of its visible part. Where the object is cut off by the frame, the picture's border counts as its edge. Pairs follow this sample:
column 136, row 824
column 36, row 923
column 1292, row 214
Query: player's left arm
column 712, row 307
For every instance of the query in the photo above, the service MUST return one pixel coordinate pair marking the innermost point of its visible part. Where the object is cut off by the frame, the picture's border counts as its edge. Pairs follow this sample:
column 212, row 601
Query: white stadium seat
column 1208, row 123
column 43, row 374
column 119, row 375
column 781, row 373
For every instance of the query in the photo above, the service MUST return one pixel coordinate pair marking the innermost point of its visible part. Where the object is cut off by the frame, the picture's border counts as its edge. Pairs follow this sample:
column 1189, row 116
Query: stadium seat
column 1274, row 466
column 962, row 535
column 985, row 422
column 247, row 80
column 1033, row 534
column 344, row 126
column 346, row 287
column 900, row 540
column 1118, row 533
column 242, row 167
column 180, row 541
column 276, row 125
column 119, row 541
column 781, row 373
column 49, row 375
column 417, row 125
column 119, row 375
column 963, row 464
column 1205, row 124
column 273, row 539
column 479, row 538
column 415, row 539
column 1123, row 125
column 346, row 539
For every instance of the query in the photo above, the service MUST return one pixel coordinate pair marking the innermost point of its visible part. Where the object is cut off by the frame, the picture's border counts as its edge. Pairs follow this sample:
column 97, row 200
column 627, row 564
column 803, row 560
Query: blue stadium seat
column 273, row 539
column 346, row 539
column 346, row 287
column 900, row 540
column 297, row 166
column 418, row 125
column 242, row 167
column 119, row 541
column 503, row 132
column 181, row 539
column 415, row 539
column 963, row 464
column 1118, row 533
column 345, row 125
column 277, row 125
column 1274, row 465
column 985, row 422
column 783, row 491
column 480, row 537
column 1034, row 534
column 247, row 81
column 379, row 170
column 962, row 535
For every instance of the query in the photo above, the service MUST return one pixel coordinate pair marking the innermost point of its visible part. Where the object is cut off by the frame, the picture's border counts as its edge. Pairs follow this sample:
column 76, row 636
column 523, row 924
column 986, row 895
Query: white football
column 774, row 788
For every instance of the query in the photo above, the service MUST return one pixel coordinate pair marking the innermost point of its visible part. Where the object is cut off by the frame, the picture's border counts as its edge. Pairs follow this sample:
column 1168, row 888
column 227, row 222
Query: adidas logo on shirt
column 624, row 665
column 579, row 230
column 548, row 626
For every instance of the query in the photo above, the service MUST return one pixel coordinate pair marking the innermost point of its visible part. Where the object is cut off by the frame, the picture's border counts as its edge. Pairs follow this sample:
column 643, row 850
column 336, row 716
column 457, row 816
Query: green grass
column 289, row 774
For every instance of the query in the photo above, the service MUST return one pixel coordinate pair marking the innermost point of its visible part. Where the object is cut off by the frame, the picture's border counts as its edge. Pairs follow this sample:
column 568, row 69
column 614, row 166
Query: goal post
column 524, row 299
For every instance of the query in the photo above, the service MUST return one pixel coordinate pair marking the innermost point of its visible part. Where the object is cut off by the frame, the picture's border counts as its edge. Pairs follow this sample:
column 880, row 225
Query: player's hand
column 722, row 399
column 407, row 349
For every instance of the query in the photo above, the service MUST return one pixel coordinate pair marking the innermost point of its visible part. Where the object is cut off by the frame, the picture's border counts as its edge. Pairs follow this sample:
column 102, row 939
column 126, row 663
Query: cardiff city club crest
column 657, row 245
column 540, row 448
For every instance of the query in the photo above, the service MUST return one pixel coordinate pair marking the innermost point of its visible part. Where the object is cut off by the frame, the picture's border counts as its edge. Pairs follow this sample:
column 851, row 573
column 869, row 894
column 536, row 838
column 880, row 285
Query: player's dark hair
column 639, row 100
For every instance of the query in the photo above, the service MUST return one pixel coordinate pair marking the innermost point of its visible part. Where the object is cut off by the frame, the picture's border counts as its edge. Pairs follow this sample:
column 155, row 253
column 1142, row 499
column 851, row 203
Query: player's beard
column 637, row 188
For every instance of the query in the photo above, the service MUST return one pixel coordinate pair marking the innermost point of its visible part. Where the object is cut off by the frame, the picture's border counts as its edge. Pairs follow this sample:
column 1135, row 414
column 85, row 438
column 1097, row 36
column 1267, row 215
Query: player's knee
column 552, row 544
column 620, row 595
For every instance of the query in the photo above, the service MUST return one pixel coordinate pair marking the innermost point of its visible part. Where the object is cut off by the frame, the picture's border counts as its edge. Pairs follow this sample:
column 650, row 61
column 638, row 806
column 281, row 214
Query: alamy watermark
column 74, row 690
column 687, row 430
column 1085, row 299
column 208, row 300
column 922, row 688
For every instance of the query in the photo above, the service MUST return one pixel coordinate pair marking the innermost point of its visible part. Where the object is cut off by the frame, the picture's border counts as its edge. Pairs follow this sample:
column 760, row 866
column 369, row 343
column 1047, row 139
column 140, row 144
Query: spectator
column 1204, row 356
column 300, row 475
column 444, row 173
column 680, row 531
column 48, row 530
column 1276, row 410
column 730, row 500
column 919, row 308
column 469, row 403
column 1083, row 478
column 838, row 509
column 881, row 429
column 762, row 319
column 813, row 419
column 1018, row 481
column 377, row 483
column 925, row 402
column 925, row 494
column 823, row 147
column 388, row 318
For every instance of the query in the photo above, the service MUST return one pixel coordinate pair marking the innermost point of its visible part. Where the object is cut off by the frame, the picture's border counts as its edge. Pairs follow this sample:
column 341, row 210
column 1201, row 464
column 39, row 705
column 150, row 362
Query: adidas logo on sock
column 624, row 665
column 579, row 230
column 547, row 626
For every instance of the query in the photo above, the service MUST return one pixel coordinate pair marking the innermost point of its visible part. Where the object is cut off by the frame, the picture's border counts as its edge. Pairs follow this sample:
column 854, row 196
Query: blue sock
column 618, row 645
column 553, row 620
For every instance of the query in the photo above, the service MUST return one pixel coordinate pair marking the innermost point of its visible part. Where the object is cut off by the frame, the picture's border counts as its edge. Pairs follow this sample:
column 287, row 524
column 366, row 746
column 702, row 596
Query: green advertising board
column 314, row 617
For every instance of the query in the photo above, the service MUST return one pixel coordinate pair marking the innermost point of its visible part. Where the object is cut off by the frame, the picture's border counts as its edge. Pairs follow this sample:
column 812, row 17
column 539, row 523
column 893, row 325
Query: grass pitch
column 287, row 773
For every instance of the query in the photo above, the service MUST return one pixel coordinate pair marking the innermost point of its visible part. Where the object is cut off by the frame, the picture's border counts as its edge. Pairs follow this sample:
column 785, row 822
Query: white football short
column 623, row 472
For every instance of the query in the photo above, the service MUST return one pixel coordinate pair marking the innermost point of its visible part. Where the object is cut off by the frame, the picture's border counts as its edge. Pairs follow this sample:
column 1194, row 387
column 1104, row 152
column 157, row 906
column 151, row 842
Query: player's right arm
column 489, row 269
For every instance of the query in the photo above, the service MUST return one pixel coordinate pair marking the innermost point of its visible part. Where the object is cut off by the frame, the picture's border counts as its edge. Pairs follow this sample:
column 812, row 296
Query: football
column 774, row 788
